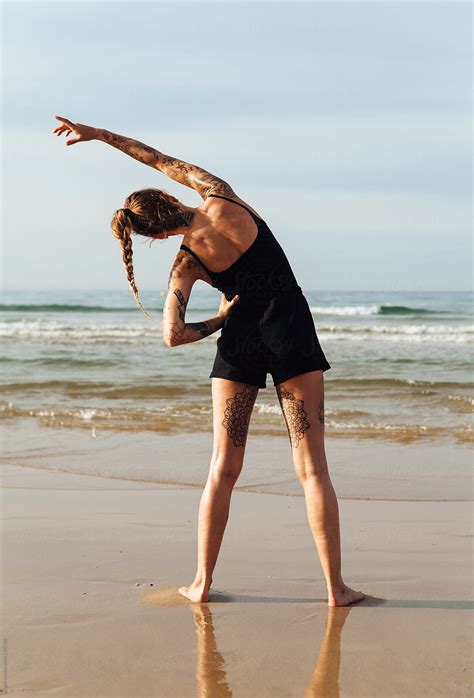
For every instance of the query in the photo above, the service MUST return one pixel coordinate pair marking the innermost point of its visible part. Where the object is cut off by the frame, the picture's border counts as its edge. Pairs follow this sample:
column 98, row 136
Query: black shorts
column 280, row 371
column 281, row 340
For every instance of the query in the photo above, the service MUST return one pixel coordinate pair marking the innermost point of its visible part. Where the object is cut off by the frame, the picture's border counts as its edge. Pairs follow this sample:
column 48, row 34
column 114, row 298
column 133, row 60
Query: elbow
column 171, row 341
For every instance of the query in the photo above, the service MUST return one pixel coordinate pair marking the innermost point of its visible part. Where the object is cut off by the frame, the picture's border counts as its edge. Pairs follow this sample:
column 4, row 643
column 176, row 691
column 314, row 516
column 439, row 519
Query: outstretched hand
column 226, row 306
column 83, row 132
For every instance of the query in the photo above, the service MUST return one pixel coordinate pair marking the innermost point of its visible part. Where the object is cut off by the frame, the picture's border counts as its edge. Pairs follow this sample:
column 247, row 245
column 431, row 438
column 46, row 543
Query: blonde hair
column 146, row 212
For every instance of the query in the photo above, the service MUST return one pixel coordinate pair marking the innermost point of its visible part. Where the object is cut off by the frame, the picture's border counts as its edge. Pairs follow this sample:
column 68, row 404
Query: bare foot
column 195, row 592
column 344, row 597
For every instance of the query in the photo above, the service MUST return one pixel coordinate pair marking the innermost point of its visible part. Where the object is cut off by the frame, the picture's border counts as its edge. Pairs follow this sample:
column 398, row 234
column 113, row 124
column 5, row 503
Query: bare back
column 223, row 234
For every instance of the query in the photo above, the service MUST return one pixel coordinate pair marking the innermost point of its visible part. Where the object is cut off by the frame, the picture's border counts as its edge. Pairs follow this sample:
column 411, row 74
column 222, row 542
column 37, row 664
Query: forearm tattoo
column 294, row 413
column 237, row 414
column 136, row 149
column 204, row 328
column 321, row 412
column 181, row 332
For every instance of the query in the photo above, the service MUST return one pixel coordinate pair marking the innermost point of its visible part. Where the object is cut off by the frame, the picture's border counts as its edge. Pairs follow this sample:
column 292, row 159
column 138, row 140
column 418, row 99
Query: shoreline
column 177, row 484
column 360, row 469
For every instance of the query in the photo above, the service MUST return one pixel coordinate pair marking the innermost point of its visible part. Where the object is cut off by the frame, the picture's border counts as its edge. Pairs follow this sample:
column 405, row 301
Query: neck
column 188, row 217
column 194, row 218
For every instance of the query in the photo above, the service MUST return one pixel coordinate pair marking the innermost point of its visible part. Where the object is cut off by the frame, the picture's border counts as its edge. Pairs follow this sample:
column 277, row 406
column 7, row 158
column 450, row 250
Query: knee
column 225, row 471
column 311, row 471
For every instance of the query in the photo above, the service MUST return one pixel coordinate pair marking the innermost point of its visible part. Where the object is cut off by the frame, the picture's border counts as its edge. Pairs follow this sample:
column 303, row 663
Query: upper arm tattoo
column 182, row 304
column 194, row 176
column 185, row 262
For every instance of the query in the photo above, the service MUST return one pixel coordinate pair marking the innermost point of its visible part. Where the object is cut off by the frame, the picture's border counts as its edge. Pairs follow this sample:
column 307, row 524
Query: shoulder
column 218, row 186
column 227, row 204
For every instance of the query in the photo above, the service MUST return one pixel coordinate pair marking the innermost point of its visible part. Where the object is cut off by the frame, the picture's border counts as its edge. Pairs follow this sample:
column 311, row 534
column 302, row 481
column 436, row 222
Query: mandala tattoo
column 294, row 413
column 237, row 414
column 321, row 412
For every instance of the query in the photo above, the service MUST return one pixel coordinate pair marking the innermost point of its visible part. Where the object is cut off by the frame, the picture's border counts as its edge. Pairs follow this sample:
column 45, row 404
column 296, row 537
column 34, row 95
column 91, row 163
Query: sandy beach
column 106, row 452
column 91, row 566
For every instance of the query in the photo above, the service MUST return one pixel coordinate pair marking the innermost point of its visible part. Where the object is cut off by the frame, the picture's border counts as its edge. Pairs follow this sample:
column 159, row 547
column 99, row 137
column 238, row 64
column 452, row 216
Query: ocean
column 90, row 364
column 401, row 364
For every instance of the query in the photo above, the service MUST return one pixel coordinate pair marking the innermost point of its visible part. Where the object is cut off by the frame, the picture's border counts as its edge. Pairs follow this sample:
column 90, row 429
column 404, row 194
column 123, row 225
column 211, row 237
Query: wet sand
column 360, row 468
column 91, row 567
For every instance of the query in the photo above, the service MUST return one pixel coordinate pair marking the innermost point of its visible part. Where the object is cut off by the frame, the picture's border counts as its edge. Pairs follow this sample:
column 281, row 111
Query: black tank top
column 260, row 273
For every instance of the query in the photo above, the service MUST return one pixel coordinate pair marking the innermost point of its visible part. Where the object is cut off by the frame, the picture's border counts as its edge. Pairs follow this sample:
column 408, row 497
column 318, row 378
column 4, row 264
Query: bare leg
column 232, row 407
column 302, row 402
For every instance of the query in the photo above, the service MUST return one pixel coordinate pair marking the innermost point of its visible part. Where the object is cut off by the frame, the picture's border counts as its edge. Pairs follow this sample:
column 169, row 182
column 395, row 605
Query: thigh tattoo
column 294, row 413
column 321, row 412
column 237, row 414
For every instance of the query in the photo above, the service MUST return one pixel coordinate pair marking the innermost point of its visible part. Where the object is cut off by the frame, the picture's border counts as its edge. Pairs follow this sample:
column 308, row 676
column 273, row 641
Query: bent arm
column 181, row 171
column 176, row 330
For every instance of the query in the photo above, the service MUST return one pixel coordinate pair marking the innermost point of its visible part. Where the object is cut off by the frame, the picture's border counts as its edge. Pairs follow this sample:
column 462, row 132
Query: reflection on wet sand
column 325, row 679
column 211, row 678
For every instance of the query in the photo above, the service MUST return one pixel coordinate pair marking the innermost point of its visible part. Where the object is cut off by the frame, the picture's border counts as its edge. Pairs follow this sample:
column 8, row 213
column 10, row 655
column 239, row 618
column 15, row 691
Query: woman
column 266, row 327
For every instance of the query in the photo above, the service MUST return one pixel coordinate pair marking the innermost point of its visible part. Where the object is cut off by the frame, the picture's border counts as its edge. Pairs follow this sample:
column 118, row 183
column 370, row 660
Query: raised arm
column 181, row 171
column 184, row 273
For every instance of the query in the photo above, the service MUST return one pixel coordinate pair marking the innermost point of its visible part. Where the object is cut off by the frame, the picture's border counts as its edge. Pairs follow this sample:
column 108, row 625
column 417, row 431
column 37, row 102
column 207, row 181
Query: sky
column 346, row 125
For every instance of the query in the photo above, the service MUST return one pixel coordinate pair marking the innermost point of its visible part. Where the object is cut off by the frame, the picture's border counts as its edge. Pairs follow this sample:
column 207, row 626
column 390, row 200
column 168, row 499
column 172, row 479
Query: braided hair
column 147, row 212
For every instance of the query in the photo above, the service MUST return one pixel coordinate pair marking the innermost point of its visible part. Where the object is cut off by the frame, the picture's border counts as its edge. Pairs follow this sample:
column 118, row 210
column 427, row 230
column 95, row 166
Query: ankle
column 336, row 587
column 202, row 581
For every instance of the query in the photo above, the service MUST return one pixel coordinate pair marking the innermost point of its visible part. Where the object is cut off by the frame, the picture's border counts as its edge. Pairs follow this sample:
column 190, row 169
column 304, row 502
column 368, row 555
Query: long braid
column 122, row 229
column 149, row 212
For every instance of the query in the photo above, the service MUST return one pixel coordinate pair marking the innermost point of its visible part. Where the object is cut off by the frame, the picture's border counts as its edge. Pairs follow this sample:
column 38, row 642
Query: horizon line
column 205, row 290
